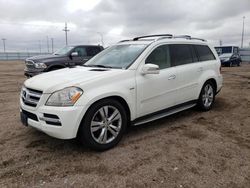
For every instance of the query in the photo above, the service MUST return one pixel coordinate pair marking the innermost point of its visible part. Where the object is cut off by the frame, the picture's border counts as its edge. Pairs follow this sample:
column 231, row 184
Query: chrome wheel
column 208, row 96
column 106, row 124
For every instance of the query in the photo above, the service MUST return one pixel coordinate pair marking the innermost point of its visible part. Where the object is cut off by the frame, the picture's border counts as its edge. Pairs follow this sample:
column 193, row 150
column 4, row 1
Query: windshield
column 119, row 56
column 223, row 50
column 64, row 50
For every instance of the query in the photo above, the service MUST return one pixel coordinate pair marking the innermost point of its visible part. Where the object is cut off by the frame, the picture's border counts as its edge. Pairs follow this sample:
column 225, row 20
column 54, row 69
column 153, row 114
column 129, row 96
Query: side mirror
column 150, row 69
column 74, row 54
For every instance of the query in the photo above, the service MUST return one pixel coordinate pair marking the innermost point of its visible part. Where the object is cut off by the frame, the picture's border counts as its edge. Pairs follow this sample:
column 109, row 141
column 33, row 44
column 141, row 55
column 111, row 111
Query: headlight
column 64, row 97
column 40, row 65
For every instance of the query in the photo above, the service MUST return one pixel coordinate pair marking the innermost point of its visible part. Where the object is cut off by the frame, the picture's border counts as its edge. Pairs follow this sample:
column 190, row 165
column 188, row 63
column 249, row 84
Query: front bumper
column 219, row 83
column 69, row 118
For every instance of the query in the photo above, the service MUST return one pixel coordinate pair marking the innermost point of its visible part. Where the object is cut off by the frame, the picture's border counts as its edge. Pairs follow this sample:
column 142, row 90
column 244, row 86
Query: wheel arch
column 114, row 97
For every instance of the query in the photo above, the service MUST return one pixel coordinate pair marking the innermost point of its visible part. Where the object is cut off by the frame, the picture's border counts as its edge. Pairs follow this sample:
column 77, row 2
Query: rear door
column 184, row 58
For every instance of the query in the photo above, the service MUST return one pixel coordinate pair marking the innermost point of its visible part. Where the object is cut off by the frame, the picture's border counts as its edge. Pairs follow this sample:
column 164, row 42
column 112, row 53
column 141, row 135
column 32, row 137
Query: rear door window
column 180, row 54
column 92, row 51
column 204, row 53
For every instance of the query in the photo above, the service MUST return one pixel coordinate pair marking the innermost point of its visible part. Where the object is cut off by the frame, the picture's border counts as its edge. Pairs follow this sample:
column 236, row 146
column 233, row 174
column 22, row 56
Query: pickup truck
column 68, row 56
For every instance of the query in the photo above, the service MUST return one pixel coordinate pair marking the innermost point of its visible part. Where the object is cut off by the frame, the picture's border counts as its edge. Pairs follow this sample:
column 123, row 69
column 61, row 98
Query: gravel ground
column 189, row 149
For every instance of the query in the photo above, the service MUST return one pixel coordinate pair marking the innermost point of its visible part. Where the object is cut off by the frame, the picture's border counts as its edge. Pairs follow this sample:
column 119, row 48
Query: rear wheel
column 104, row 125
column 207, row 96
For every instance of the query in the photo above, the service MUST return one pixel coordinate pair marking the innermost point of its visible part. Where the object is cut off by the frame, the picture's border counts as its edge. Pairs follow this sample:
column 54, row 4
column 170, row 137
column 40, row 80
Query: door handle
column 85, row 59
column 172, row 77
column 200, row 69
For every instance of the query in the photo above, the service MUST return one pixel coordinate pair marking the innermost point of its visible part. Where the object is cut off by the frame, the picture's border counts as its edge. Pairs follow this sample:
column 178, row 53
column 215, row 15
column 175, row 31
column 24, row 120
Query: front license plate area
column 24, row 119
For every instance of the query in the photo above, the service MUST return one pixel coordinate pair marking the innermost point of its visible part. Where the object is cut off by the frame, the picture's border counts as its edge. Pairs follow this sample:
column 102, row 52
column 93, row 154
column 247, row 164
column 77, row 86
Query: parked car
column 130, row 83
column 66, row 57
column 229, row 55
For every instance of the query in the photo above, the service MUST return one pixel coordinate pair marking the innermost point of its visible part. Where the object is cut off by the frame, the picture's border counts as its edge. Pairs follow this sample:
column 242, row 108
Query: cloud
column 24, row 23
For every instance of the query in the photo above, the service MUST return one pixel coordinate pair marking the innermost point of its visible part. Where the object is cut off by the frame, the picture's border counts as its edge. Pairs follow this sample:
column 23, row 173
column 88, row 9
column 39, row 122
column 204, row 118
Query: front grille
column 30, row 64
column 30, row 97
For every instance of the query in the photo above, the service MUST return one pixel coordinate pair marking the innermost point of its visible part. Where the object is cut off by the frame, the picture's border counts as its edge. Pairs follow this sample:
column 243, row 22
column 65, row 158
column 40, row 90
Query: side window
column 160, row 57
column 81, row 51
column 180, row 54
column 235, row 50
column 204, row 53
column 194, row 54
column 92, row 51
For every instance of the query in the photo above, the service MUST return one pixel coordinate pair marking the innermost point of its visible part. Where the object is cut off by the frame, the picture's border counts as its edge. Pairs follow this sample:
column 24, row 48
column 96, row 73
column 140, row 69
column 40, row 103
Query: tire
column 103, row 125
column 239, row 63
column 207, row 96
column 231, row 64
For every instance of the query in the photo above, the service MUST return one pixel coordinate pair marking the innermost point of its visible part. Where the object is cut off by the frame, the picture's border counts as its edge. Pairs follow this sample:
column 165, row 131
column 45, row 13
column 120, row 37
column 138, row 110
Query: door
column 156, row 92
column 81, row 57
column 185, row 60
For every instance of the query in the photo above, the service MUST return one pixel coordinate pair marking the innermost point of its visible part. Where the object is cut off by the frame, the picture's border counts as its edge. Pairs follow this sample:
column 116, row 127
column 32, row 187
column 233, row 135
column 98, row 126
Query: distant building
column 245, row 54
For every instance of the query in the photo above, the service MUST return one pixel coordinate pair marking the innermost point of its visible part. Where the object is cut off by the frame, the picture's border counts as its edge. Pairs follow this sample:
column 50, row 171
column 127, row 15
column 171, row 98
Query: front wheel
column 103, row 125
column 207, row 96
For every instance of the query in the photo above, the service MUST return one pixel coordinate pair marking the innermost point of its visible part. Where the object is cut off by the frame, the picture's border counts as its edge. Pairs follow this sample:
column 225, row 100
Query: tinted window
column 160, row 57
column 92, row 51
column 180, row 54
column 204, row 53
column 223, row 50
column 194, row 54
column 81, row 51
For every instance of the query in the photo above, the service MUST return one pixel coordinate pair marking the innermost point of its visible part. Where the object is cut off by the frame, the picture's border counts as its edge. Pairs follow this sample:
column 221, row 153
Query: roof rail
column 183, row 36
column 189, row 37
column 193, row 38
column 124, row 40
column 148, row 36
column 164, row 36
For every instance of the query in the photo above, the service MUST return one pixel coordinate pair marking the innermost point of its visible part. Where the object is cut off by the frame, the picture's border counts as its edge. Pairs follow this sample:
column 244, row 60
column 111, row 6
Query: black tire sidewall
column 85, row 132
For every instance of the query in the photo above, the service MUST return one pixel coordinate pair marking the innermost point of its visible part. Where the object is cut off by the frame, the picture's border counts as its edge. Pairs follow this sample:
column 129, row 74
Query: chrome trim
column 50, row 119
column 26, row 95
column 29, row 62
column 159, row 116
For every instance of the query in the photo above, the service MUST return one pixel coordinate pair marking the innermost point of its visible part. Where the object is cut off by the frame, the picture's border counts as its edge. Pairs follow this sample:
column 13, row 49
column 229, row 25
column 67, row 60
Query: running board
column 162, row 114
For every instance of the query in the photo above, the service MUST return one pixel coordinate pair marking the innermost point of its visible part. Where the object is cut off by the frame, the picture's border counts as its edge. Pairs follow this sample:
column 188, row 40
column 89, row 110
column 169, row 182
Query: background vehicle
column 135, row 81
column 229, row 55
column 66, row 57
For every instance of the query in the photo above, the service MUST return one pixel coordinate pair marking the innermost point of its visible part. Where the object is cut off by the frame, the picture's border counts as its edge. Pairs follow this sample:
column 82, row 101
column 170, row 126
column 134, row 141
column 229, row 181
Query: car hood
column 56, row 80
column 226, row 55
column 44, row 57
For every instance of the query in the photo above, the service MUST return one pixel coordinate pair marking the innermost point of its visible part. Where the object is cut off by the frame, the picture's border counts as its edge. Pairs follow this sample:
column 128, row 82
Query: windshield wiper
column 102, row 66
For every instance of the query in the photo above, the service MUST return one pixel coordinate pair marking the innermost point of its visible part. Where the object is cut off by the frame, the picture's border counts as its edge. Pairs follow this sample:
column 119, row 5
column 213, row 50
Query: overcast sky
column 26, row 22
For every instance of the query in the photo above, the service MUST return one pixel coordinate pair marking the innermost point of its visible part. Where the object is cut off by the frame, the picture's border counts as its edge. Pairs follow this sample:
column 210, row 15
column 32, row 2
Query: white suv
column 133, row 82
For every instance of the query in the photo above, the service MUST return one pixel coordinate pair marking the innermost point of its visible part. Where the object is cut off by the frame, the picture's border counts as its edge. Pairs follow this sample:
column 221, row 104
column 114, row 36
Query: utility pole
column 52, row 44
column 48, row 43
column 101, row 37
column 242, row 36
column 66, row 30
column 4, row 44
column 220, row 41
column 40, row 47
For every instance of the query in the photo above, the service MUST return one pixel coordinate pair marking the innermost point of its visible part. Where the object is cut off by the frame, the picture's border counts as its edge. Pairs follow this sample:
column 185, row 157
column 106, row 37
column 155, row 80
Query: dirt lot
column 189, row 149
